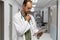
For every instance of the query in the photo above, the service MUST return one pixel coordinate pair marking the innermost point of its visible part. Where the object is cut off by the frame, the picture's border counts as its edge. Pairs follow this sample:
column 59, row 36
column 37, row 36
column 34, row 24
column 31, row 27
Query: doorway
column 1, row 20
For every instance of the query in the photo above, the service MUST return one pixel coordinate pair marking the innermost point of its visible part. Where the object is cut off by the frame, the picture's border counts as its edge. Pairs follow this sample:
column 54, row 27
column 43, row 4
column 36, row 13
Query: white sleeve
column 21, row 27
column 35, row 29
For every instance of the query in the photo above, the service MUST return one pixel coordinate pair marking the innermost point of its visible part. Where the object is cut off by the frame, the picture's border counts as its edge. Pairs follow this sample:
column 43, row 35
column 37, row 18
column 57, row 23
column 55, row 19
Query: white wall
column 15, row 7
column 59, row 20
column 53, row 26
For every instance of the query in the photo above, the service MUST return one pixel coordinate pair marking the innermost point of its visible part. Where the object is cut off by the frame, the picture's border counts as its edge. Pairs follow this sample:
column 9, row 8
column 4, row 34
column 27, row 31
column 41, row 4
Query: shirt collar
column 23, row 15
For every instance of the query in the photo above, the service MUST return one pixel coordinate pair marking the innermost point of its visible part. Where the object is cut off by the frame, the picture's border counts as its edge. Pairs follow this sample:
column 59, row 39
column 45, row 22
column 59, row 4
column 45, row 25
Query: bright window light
column 33, row 5
column 32, row 9
column 34, row 1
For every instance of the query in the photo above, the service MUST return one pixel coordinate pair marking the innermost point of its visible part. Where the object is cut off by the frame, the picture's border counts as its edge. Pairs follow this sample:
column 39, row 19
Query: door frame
column 10, row 22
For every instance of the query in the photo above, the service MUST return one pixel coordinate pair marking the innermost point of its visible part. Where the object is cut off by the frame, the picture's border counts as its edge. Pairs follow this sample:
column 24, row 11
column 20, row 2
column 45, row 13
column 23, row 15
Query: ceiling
column 41, row 3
